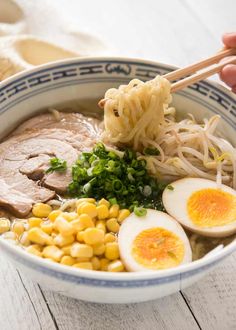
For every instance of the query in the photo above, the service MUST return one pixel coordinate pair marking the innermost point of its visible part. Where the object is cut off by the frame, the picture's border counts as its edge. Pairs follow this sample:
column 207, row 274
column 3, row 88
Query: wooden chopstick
column 180, row 73
column 191, row 69
column 202, row 75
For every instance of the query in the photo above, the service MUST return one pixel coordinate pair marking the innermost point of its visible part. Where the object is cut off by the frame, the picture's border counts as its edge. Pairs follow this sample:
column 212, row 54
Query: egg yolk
column 157, row 248
column 211, row 207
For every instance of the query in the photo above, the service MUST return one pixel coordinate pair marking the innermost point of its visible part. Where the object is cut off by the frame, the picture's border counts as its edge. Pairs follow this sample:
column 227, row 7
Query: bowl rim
column 101, row 275
column 122, row 59
column 123, row 276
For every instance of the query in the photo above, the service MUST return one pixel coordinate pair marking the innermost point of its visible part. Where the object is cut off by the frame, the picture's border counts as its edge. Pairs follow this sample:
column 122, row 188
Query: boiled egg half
column 202, row 207
column 153, row 242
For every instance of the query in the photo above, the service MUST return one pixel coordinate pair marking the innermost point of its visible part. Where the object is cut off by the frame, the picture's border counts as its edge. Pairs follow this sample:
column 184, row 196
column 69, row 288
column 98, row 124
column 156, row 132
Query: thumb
column 228, row 75
column 229, row 39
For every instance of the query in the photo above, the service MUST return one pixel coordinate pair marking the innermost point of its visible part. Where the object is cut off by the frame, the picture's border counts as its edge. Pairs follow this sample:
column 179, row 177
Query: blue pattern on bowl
column 80, row 280
column 101, row 70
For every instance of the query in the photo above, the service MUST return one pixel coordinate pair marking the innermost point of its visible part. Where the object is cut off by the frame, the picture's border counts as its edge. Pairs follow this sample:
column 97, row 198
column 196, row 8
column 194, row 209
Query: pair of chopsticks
column 207, row 64
column 210, row 64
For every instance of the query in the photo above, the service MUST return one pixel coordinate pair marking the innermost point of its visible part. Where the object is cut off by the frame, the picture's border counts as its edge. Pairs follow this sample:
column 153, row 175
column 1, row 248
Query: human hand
column 228, row 73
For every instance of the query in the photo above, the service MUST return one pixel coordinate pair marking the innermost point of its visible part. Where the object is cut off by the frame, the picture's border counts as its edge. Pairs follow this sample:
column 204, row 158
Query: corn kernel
column 103, row 201
column 33, row 250
column 115, row 266
column 54, row 214
column 89, row 209
column 66, row 249
column 104, row 264
column 84, row 265
column 81, row 250
column 53, row 252
column 24, row 239
column 47, row 227
column 114, row 211
column 112, row 251
column 82, row 202
column 103, row 212
column 38, row 247
column 69, row 216
column 96, row 263
column 98, row 249
column 26, row 225
column 80, row 236
column 123, row 214
column 93, row 236
column 54, row 233
column 36, row 235
column 86, row 221
column 112, row 225
column 77, row 225
column 101, row 224
column 109, row 237
column 68, row 261
column 79, row 206
column 61, row 241
column 34, row 222
column 65, row 228
column 18, row 228
column 82, row 259
column 4, row 225
column 41, row 210
column 88, row 200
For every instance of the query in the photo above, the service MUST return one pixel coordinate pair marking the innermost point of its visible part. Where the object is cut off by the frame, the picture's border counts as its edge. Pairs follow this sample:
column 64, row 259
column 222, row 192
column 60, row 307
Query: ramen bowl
column 77, row 85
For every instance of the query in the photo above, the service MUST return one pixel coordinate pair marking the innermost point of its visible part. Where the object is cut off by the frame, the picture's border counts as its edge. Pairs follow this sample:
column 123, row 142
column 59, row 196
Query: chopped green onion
column 140, row 211
column 130, row 177
column 151, row 151
column 147, row 190
column 113, row 201
column 57, row 164
column 87, row 187
column 117, row 186
column 170, row 187
column 122, row 180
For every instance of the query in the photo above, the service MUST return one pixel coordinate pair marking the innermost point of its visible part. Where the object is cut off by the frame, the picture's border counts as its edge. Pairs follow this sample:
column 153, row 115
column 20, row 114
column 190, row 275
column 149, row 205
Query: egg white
column 175, row 203
column 134, row 225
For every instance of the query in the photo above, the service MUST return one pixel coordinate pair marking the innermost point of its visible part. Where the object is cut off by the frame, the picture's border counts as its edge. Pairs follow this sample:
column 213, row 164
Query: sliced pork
column 74, row 122
column 17, row 202
column 25, row 157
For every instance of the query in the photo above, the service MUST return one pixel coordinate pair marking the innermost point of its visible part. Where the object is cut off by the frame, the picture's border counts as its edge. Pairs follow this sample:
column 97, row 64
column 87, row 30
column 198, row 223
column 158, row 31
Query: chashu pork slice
column 25, row 157
column 13, row 200
column 70, row 121
column 29, row 154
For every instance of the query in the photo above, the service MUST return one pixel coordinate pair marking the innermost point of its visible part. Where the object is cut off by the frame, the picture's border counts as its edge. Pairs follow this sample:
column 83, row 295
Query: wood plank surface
column 213, row 299
column 22, row 306
column 167, row 313
column 178, row 32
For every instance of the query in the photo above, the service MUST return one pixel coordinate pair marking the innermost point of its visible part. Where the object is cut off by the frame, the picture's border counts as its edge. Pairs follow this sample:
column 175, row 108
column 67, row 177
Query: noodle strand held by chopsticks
column 132, row 110
column 138, row 115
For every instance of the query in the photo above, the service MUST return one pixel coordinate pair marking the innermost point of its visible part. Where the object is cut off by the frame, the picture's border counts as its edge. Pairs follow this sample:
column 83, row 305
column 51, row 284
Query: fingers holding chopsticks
column 228, row 73
column 229, row 39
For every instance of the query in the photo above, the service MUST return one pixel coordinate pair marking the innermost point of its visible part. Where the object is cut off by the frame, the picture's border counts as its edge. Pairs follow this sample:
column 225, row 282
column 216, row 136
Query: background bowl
column 77, row 85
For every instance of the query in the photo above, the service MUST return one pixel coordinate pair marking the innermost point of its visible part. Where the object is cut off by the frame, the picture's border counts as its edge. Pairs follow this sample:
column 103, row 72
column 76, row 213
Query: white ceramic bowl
column 76, row 82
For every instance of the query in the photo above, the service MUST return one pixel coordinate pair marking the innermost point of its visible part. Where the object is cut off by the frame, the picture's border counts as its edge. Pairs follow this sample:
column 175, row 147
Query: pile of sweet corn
column 85, row 238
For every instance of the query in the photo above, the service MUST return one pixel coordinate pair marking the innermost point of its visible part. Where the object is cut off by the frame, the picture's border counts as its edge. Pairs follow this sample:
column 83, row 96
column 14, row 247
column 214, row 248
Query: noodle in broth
column 138, row 114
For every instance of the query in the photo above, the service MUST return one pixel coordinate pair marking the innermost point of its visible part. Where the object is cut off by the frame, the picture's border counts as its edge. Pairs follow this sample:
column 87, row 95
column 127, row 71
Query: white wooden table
column 177, row 32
